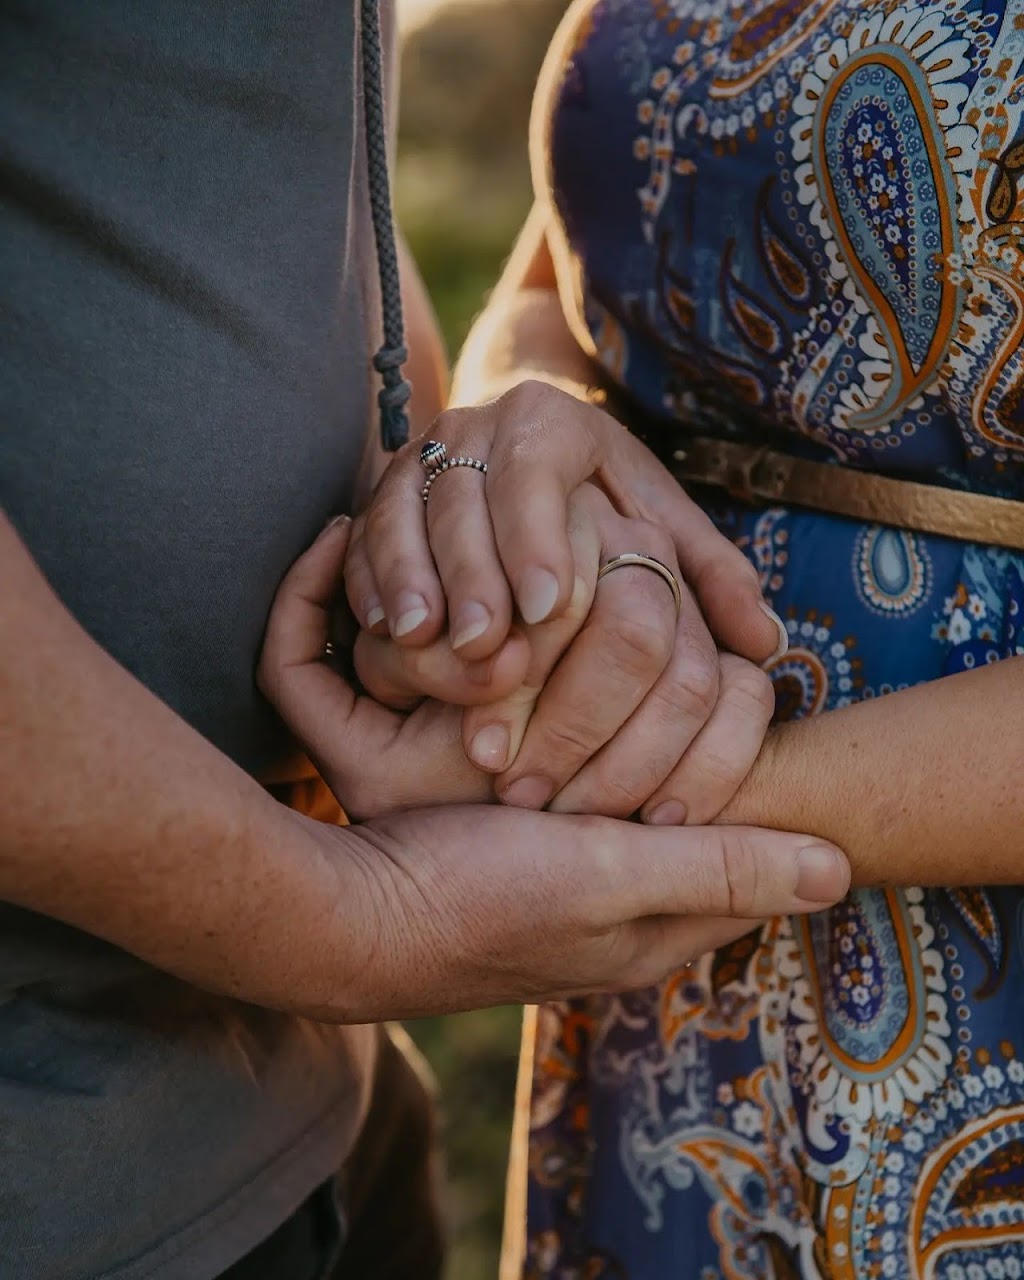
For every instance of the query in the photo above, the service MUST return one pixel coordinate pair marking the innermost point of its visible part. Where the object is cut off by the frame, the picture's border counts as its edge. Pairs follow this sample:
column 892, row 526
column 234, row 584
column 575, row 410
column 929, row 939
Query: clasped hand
column 580, row 695
column 595, row 687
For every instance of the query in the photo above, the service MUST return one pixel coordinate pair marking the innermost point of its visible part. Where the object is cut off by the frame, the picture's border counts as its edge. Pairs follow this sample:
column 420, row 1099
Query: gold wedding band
column 642, row 561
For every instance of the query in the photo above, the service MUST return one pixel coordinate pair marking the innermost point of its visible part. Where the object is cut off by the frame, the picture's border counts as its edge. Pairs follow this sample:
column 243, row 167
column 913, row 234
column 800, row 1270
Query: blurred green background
column 462, row 191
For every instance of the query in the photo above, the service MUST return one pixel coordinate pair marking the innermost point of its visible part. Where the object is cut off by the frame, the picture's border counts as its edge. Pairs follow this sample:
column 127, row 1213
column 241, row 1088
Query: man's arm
column 920, row 787
column 117, row 818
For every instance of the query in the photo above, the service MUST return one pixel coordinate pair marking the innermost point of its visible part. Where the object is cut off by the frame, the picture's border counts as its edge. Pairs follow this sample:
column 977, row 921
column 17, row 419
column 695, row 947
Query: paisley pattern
column 803, row 221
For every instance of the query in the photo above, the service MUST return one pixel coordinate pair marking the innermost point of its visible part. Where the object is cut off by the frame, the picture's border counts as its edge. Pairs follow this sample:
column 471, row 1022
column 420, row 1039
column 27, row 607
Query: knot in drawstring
column 394, row 394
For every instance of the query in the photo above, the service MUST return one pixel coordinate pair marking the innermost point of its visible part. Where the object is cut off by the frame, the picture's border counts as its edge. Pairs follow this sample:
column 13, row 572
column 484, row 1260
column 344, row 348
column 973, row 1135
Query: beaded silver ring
column 448, row 465
column 433, row 454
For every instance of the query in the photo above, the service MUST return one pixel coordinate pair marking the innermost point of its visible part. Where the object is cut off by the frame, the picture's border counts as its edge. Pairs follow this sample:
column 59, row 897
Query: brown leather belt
column 754, row 474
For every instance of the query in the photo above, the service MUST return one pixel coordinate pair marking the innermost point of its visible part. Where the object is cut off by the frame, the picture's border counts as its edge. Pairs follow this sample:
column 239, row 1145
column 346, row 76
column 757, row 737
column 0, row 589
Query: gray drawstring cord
column 394, row 394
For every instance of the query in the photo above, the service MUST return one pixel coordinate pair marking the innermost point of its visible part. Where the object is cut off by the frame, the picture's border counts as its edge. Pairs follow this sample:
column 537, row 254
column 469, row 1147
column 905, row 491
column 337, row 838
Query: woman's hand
column 486, row 547
column 619, row 700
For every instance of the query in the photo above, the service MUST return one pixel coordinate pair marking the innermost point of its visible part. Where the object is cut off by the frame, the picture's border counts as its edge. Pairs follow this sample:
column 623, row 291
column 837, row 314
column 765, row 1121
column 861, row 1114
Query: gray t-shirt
column 187, row 302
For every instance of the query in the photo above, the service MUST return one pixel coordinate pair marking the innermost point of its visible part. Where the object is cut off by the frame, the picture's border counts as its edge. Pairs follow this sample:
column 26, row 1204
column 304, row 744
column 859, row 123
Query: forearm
column 522, row 333
column 919, row 787
column 118, row 818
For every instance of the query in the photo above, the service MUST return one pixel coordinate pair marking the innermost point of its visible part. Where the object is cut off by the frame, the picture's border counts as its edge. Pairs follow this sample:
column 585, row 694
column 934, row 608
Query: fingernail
column 822, row 874
column 538, row 591
column 489, row 748
column 670, row 814
column 783, row 644
column 470, row 622
column 335, row 522
column 374, row 611
column 528, row 793
column 412, row 610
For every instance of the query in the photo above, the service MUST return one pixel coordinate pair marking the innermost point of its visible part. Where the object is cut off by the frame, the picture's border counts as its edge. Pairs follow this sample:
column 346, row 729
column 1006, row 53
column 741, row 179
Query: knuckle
column 592, row 503
column 663, row 951
column 640, row 965
column 465, row 576
column 712, row 769
column 750, row 689
column 746, row 684
column 618, row 798
column 407, row 571
column 656, row 965
column 568, row 741
column 372, row 797
column 639, row 640
column 696, row 684
column 519, row 457
column 729, row 570
column 530, row 412
column 655, row 540
column 379, row 521
column 605, row 794
column 449, row 423
column 736, row 864
column 524, row 394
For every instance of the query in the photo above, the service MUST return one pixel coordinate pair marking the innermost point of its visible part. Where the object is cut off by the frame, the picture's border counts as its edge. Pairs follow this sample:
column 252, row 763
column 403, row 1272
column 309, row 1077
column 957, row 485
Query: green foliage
column 462, row 191
column 474, row 1059
column 463, row 182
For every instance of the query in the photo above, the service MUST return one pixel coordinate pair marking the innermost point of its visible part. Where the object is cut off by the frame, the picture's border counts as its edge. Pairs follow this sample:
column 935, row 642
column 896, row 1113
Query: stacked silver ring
column 434, row 457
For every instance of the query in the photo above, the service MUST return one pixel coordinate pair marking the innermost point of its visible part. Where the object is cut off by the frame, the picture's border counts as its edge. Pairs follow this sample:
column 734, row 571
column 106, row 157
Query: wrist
column 755, row 800
column 336, row 924
column 521, row 336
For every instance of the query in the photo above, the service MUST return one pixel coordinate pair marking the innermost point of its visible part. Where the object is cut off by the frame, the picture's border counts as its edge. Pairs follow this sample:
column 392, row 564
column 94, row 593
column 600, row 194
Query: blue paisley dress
column 803, row 221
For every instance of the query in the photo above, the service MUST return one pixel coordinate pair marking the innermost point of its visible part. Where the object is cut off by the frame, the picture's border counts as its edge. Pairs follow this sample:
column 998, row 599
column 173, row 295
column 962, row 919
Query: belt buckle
column 741, row 478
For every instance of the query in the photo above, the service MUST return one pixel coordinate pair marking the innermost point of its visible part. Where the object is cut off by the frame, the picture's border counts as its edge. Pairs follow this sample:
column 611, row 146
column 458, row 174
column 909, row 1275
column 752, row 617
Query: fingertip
column 537, row 594
column 532, row 792
column 669, row 813
column 823, row 874
column 476, row 630
column 412, row 619
column 781, row 636
column 504, row 672
column 333, row 539
column 375, row 619
column 488, row 748
column 335, row 525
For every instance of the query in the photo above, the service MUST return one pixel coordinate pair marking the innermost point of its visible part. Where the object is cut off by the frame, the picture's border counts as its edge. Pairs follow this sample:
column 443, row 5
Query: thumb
column 331, row 722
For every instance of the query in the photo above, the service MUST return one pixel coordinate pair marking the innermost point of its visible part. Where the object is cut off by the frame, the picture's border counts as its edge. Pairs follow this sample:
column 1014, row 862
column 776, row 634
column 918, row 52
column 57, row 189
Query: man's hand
column 119, row 819
column 458, row 908
column 455, row 907
column 597, row 708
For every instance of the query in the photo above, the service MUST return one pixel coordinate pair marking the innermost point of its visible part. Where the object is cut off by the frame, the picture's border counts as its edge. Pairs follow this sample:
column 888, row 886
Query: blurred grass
column 462, row 190
column 473, row 1056
column 463, row 180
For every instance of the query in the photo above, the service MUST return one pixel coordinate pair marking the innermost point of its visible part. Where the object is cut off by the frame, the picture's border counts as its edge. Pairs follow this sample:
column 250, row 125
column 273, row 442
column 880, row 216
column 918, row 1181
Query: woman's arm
column 921, row 787
column 522, row 333
column 407, row 577
column 539, row 444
